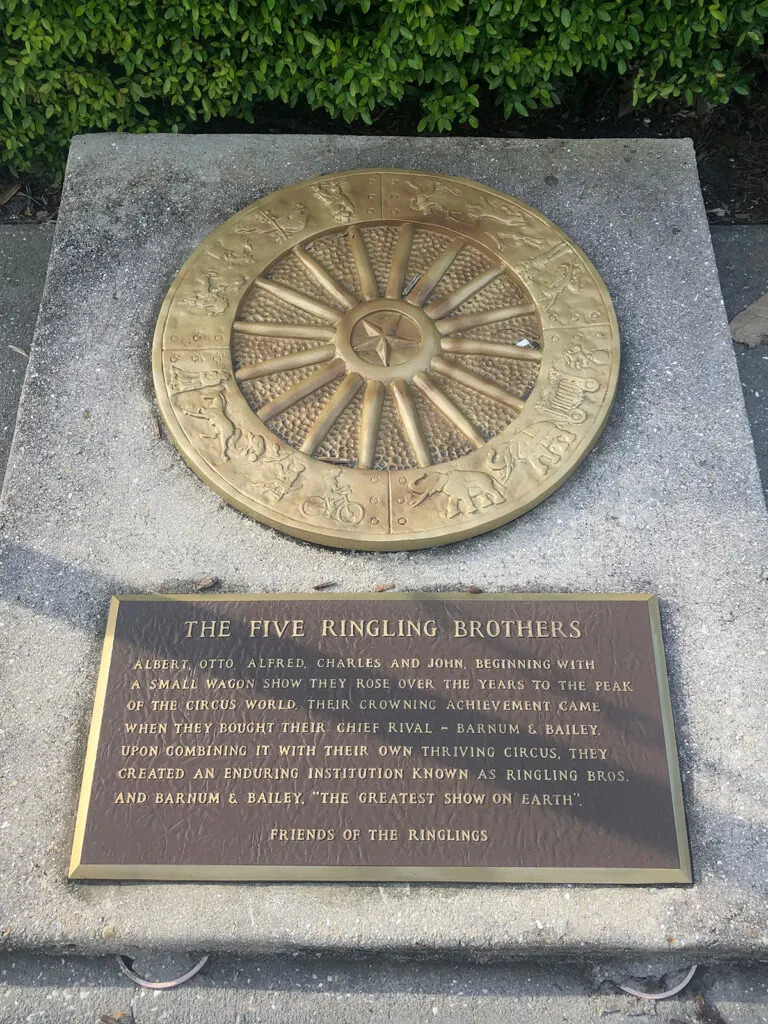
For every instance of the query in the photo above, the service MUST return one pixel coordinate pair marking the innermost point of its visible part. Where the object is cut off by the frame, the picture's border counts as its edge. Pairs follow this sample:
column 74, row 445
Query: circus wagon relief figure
column 563, row 395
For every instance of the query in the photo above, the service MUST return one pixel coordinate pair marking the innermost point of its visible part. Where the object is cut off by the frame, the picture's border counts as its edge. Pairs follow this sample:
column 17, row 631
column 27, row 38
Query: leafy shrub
column 70, row 66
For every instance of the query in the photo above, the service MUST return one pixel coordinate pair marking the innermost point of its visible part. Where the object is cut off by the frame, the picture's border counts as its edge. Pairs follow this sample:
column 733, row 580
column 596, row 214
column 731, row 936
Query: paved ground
column 79, row 991
column 742, row 259
column 23, row 262
column 229, row 991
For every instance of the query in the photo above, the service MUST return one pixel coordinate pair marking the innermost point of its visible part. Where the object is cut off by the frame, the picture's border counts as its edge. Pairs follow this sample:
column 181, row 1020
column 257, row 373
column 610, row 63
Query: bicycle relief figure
column 336, row 503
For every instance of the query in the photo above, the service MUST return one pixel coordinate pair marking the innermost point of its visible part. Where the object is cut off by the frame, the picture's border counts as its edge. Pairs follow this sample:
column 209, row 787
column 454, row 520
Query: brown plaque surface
column 432, row 737
column 386, row 359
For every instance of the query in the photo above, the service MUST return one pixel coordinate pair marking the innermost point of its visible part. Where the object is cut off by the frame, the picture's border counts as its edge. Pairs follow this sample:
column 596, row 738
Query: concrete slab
column 96, row 503
column 23, row 263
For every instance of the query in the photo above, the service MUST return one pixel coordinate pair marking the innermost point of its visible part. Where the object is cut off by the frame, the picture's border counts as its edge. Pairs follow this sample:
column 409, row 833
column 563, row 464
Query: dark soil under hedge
column 731, row 142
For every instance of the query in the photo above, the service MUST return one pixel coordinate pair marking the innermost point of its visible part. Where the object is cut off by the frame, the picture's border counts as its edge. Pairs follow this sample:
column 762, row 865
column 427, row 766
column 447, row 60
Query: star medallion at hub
column 386, row 338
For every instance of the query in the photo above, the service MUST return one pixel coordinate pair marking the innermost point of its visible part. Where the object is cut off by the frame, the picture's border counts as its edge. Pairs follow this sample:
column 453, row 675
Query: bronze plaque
column 424, row 737
column 386, row 359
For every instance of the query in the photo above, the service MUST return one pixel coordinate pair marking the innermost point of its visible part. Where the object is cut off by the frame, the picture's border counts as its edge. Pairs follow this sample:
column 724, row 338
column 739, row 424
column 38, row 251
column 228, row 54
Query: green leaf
column 100, row 65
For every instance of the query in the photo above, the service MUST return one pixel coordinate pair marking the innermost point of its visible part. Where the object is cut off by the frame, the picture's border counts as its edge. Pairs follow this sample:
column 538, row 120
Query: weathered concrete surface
column 23, row 262
column 47, row 990
column 669, row 501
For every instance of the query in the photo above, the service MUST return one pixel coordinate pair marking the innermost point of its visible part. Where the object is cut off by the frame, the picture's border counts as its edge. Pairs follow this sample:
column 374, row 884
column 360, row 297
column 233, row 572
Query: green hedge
column 134, row 65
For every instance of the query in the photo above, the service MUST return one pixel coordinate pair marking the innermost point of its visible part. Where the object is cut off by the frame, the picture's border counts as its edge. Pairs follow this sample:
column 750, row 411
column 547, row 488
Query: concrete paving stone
column 23, row 263
column 742, row 260
column 29, row 983
column 47, row 990
column 669, row 501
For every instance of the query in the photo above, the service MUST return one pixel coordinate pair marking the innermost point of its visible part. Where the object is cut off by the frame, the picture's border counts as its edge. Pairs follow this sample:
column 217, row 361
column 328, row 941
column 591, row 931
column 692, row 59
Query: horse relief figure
column 210, row 293
column 332, row 195
column 539, row 446
column 465, row 492
column 437, row 199
column 495, row 215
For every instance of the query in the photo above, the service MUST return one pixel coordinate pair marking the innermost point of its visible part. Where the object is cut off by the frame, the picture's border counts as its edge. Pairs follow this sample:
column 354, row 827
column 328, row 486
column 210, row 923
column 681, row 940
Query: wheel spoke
column 307, row 357
column 481, row 319
column 426, row 284
column 333, row 408
column 475, row 347
column 411, row 421
column 298, row 299
column 442, row 307
column 373, row 400
column 471, row 380
column 305, row 387
column 368, row 286
column 325, row 279
column 448, row 408
column 312, row 332
column 399, row 263
column 382, row 333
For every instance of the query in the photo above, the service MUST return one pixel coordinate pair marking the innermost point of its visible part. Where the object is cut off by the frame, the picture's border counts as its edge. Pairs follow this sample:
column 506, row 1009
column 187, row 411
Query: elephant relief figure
column 465, row 492
column 540, row 446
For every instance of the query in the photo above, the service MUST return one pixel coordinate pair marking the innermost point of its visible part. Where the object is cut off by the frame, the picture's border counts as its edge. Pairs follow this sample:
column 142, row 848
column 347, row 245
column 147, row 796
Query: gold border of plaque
column 281, row 873
column 386, row 359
